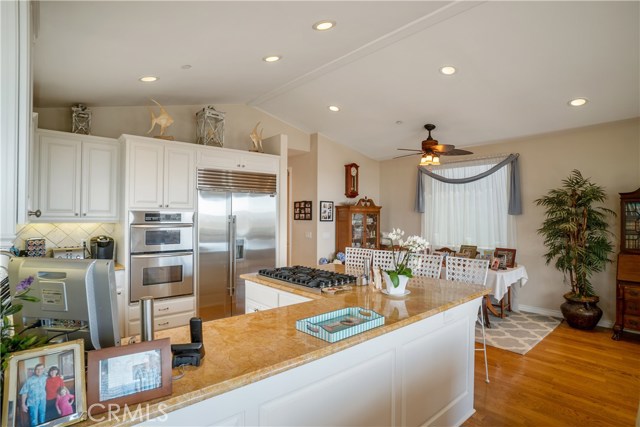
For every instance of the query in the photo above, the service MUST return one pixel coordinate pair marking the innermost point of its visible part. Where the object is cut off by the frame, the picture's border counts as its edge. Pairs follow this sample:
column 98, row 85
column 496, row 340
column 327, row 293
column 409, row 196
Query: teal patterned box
column 340, row 324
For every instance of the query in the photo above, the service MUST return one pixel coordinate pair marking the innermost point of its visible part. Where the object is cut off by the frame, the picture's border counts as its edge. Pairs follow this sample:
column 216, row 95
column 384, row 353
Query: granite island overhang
column 258, row 364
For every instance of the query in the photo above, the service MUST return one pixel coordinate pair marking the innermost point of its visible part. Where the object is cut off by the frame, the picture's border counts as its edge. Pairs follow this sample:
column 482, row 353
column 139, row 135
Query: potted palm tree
column 576, row 234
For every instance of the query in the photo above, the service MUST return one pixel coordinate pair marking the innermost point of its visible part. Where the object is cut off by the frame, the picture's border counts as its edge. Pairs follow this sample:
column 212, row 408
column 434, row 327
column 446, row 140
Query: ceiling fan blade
column 410, row 149
column 443, row 148
column 457, row 152
column 407, row 155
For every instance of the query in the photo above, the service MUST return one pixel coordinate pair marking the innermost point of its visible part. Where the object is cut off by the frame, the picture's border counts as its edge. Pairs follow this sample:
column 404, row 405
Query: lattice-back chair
column 382, row 259
column 472, row 271
column 355, row 257
column 426, row 265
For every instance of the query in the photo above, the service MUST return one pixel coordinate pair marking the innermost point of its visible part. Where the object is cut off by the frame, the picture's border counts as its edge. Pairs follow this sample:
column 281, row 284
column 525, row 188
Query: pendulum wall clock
column 351, row 180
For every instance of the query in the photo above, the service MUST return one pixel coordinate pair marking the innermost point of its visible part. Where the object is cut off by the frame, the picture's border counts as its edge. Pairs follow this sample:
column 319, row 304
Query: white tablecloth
column 499, row 281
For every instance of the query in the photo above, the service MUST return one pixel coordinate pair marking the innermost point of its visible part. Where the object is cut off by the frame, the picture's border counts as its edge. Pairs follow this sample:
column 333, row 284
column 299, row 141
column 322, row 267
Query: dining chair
column 472, row 271
column 355, row 257
column 426, row 265
column 382, row 259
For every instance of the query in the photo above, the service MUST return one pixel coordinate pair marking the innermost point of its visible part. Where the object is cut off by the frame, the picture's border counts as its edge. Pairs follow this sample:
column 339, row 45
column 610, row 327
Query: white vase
column 402, row 284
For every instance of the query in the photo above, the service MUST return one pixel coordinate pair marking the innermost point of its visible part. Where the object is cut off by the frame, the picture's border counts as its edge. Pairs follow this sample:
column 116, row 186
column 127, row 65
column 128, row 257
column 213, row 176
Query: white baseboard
column 557, row 313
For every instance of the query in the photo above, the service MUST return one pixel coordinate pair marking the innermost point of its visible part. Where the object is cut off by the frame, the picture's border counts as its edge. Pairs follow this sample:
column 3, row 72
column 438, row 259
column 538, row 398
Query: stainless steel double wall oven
column 161, row 254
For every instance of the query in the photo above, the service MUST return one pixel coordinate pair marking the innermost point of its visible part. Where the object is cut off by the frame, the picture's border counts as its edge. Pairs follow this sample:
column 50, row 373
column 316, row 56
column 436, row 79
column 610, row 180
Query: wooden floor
column 571, row 378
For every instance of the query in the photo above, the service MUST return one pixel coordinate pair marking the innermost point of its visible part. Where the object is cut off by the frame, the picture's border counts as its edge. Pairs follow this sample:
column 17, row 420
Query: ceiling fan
column 432, row 150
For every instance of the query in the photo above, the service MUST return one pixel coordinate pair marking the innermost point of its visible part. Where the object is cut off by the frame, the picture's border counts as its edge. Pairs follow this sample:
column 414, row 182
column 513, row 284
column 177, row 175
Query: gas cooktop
column 307, row 276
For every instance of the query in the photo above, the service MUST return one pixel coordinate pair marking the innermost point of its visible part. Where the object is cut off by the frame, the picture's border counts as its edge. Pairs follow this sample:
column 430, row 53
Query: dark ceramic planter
column 581, row 313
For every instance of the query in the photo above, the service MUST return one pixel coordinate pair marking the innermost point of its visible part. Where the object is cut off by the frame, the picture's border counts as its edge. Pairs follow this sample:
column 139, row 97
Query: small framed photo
column 495, row 264
column 128, row 374
column 510, row 255
column 471, row 250
column 50, row 398
column 326, row 211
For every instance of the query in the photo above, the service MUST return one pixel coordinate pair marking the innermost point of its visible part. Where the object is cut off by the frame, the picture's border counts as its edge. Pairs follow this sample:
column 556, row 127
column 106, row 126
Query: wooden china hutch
column 628, row 275
column 358, row 225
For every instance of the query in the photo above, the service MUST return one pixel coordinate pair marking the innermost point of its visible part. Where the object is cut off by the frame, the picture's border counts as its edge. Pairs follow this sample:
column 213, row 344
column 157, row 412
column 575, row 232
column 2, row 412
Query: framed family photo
column 326, row 211
column 510, row 255
column 128, row 374
column 37, row 390
column 302, row 210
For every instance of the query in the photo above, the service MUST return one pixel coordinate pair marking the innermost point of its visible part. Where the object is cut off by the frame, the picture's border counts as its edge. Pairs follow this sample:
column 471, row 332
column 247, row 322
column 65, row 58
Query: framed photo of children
column 128, row 374
column 510, row 254
column 35, row 391
column 302, row 210
column 326, row 211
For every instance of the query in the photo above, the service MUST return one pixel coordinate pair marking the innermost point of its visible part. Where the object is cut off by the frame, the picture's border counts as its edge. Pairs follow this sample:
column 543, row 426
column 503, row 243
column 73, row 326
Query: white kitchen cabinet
column 237, row 160
column 260, row 297
column 78, row 177
column 160, row 174
column 167, row 313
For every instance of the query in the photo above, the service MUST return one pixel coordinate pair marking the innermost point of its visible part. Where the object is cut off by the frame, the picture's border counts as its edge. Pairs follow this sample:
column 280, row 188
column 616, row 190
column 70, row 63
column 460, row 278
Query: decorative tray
column 340, row 324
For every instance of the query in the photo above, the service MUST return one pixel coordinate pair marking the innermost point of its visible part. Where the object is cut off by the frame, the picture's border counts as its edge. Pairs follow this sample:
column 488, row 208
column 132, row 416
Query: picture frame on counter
column 128, row 374
column 326, row 211
column 28, row 375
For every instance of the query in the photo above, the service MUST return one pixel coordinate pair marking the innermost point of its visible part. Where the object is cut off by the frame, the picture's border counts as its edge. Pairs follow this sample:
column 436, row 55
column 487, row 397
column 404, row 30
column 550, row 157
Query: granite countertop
column 244, row 349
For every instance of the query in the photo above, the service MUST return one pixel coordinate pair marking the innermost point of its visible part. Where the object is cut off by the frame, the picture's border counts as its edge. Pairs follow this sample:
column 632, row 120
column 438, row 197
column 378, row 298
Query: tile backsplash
column 62, row 235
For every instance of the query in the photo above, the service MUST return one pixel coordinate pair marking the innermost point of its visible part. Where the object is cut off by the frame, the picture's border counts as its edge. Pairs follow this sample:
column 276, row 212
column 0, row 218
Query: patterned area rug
column 519, row 332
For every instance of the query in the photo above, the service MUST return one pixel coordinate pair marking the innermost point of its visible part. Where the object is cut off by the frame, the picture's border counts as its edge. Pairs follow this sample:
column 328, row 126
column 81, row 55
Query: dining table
column 500, row 282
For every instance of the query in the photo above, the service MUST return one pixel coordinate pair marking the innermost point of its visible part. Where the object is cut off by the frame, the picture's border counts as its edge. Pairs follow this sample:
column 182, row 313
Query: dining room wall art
column 302, row 210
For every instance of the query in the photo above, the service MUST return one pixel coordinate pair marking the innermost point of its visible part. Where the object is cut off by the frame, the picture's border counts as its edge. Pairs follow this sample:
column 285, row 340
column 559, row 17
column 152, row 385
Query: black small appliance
column 103, row 247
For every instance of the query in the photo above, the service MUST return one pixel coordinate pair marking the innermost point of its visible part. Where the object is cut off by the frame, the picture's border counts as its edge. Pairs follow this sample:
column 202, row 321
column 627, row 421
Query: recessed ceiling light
column 148, row 79
column 578, row 102
column 334, row 108
column 186, row 67
column 272, row 58
column 324, row 25
column 448, row 70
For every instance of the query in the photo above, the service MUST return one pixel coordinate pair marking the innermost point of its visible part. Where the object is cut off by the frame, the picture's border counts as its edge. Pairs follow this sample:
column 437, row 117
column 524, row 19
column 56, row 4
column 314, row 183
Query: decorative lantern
column 210, row 126
column 81, row 119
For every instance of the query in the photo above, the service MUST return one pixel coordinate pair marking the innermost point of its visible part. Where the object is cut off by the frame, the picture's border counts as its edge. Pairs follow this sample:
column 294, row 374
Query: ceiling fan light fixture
column 578, row 102
column 448, row 70
column 436, row 160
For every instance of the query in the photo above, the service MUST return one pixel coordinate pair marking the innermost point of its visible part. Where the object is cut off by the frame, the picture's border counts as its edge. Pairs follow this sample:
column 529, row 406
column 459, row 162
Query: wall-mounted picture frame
column 302, row 210
column 34, row 374
column 326, row 211
column 510, row 255
column 128, row 374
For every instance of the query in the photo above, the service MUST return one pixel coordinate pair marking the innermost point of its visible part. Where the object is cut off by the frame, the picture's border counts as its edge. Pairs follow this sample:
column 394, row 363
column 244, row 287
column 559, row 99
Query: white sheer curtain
column 468, row 214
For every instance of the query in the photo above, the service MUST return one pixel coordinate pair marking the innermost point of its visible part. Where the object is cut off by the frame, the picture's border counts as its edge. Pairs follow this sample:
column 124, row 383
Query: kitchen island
column 259, row 370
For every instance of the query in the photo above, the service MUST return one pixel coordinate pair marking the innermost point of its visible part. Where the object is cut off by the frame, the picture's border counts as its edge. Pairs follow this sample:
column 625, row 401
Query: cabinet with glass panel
column 628, row 273
column 358, row 225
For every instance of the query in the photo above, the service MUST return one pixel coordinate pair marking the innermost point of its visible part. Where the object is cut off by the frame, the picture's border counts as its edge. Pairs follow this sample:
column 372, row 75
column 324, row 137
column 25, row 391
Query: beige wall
column 319, row 176
column 331, row 160
column 239, row 121
column 607, row 153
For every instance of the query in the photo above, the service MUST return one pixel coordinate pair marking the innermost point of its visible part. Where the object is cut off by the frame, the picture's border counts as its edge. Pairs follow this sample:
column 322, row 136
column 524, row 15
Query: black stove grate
column 307, row 276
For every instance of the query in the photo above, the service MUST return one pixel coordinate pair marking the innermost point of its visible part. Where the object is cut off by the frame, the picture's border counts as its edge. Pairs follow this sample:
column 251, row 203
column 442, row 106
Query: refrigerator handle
column 232, row 255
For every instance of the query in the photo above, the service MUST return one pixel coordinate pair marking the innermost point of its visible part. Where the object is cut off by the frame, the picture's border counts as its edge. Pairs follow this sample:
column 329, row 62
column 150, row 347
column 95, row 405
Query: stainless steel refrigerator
column 237, row 218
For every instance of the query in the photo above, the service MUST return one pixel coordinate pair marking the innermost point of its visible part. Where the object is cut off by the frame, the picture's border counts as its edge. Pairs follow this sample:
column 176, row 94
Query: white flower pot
column 402, row 284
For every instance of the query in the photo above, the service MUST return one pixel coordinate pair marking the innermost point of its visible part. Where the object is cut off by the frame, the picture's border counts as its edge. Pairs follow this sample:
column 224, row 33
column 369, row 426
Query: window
column 468, row 214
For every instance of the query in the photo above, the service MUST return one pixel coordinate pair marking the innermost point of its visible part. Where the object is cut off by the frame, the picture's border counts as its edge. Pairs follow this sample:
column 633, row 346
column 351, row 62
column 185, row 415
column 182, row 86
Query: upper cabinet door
column 100, row 179
column 77, row 177
column 146, row 175
column 179, row 177
column 59, row 183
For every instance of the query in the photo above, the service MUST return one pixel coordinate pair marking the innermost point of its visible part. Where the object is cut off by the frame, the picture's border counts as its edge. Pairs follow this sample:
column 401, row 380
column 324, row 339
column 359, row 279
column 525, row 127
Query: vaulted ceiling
column 518, row 64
